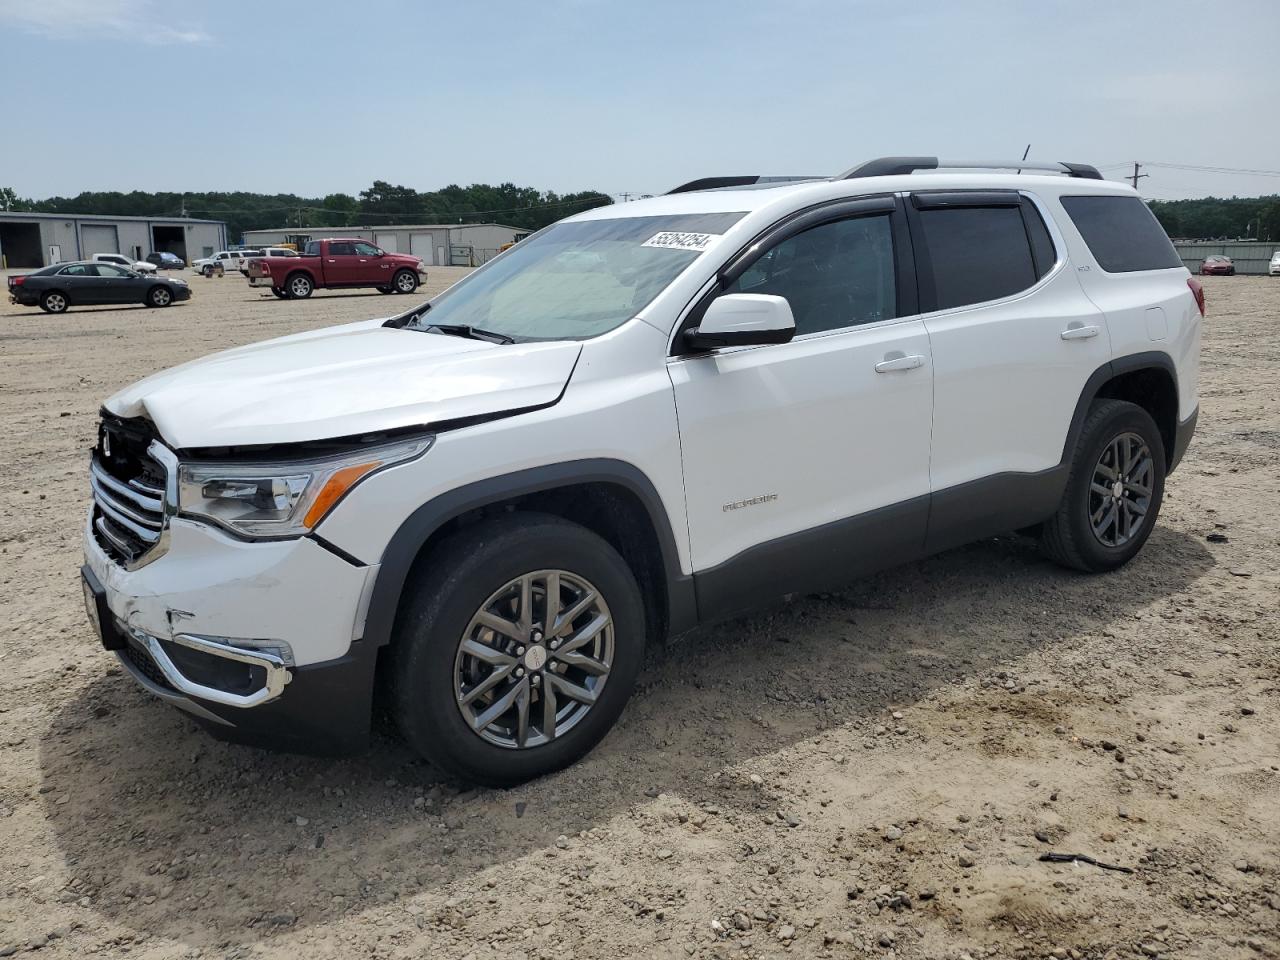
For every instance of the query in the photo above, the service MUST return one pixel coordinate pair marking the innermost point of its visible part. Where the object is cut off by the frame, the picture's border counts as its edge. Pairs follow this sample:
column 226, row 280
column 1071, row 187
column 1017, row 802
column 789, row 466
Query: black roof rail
column 898, row 166
column 713, row 183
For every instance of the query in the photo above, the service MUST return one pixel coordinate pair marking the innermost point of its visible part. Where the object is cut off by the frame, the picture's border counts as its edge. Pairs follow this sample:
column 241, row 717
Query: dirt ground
column 868, row 773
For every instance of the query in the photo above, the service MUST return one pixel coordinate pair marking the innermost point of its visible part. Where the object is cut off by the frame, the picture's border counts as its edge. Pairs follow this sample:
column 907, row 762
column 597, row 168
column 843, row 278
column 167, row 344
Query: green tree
column 340, row 210
column 388, row 203
column 9, row 200
column 1269, row 228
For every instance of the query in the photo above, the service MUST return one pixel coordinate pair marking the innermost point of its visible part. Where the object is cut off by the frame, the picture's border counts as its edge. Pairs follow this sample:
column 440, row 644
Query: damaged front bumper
column 261, row 642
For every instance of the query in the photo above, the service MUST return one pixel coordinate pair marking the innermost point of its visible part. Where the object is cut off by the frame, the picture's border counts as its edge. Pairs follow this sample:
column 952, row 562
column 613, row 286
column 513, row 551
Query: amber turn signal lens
column 338, row 484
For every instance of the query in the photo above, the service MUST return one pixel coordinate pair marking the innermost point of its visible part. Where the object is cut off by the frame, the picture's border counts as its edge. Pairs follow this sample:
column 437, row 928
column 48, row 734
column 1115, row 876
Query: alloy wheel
column 534, row 659
column 161, row 297
column 406, row 283
column 300, row 287
column 56, row 302
column 1120, row 490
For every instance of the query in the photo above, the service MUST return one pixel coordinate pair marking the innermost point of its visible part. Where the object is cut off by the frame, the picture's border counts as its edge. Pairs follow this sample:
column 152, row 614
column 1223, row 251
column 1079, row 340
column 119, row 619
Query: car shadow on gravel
column 172, row 834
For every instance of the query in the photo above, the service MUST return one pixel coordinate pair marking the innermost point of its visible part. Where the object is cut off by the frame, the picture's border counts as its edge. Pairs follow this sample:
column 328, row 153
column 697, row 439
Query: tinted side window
column 976, row 254
column 834, row 275
column 342, row 249
column 1122, row 233
column 1041, row 244
column 312, row 249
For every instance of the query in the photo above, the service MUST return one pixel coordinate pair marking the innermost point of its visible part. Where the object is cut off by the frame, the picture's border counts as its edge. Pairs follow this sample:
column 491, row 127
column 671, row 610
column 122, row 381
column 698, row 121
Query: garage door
column 387, row 241
column 98, row 238
column 420, row 246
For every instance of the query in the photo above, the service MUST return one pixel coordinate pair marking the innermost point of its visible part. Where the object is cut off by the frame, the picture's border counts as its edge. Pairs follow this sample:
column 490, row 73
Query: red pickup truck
column 339, row 262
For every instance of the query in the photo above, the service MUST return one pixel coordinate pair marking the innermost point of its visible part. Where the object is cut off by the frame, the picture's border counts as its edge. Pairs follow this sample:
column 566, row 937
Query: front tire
column 492, row 683
column 299, row 286
column 1114, row 490
column 53, row 301
column 405, row 281
column 159, row 296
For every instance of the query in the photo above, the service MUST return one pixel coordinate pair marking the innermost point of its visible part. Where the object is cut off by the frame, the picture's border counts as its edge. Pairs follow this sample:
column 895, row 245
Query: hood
column 343, row 381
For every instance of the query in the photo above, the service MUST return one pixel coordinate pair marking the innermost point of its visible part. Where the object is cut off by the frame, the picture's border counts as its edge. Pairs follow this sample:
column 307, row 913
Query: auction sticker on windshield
column 678, row 240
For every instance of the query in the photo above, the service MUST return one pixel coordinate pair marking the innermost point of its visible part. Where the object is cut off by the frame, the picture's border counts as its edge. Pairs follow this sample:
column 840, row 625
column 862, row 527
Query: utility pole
column 1136, row 175
column 625, row 197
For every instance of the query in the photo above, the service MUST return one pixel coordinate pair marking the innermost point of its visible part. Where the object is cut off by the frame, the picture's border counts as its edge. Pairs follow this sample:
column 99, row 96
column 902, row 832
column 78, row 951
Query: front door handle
column 1079, row 332
column 891, row 363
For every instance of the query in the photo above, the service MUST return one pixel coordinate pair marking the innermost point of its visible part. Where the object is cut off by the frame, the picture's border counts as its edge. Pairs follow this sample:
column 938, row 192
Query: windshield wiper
column 471, row 333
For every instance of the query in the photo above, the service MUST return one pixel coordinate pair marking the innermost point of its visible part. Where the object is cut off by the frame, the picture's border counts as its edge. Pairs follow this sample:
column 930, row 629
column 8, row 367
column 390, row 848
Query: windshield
column 577, row 280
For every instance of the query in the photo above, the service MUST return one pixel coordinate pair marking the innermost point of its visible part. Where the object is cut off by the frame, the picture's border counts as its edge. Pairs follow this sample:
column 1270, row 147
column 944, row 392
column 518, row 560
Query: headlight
column 266, row 500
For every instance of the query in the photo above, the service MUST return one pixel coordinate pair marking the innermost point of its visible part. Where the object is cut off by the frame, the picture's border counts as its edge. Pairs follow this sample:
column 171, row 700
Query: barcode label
column 675, row 240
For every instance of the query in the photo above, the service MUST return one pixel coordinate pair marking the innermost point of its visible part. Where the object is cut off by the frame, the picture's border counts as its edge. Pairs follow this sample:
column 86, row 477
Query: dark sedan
column 86, row 283
column 1217, row 266
column 166, row 261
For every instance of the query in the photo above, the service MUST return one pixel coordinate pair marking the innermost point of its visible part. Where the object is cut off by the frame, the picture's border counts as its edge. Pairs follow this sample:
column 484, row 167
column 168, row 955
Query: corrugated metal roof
column 15, row 215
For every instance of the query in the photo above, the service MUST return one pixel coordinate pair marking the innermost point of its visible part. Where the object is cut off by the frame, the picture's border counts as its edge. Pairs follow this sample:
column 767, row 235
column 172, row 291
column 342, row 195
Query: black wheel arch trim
column 414, row 532
column 1131, row 363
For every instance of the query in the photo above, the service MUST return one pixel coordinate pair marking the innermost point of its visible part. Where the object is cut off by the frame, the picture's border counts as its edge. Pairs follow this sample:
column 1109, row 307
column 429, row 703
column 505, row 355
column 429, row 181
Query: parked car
column 166, row 261
column 221, row 262
column 90, row 282
column 266, row 252
column 1218, row 266
column 337, row 262
column 120, row 260
column 1273, row 268
column 645, row 417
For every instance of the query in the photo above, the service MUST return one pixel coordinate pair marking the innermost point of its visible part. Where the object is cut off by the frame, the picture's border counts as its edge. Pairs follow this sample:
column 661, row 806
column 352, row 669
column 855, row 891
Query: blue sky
column 630, row 97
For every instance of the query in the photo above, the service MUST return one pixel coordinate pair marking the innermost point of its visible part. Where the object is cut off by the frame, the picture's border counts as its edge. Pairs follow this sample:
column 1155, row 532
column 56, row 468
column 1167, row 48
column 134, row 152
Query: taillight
column 18, row 281
column 1197, row 291
column 263, row 266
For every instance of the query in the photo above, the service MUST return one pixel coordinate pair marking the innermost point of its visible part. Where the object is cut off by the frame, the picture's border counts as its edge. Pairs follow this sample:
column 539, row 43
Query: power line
column 1208, row 169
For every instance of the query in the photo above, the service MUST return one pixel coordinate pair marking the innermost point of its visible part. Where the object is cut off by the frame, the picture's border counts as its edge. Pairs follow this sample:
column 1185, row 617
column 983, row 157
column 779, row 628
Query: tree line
column 1220, row 218
column 385, row 203
column 381, row 204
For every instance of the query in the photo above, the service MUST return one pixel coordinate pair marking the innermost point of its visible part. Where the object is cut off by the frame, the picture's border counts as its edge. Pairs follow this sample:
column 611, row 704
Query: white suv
column 223, row 261
column 642, row 418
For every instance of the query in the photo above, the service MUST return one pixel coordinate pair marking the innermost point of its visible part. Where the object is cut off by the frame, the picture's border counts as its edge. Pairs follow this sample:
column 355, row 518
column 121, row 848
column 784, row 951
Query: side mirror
column 743, row 319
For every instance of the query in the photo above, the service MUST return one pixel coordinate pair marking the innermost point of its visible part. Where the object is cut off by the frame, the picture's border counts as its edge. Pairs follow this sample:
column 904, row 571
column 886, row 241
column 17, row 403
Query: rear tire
column 386, row 289
column 1114, row 490
column 405, row 281
column 279, row 292
column 53, row 301
column 439, row 632
column 299, row 286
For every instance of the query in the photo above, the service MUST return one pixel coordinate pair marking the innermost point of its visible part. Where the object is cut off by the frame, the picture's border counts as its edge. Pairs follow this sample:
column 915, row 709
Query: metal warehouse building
column 39, row 239
column 442, row 244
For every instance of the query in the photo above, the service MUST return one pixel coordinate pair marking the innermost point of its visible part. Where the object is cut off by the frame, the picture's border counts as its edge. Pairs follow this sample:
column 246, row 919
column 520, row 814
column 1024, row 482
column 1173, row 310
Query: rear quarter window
column 1122, row 233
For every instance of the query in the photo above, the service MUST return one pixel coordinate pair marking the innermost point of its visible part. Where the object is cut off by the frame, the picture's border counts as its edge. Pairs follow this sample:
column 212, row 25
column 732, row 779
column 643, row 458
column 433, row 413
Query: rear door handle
column 891, row 363
column 1079, row 333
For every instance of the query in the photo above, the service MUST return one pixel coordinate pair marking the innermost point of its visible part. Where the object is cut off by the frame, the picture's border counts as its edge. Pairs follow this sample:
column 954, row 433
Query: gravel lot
column 873, row 772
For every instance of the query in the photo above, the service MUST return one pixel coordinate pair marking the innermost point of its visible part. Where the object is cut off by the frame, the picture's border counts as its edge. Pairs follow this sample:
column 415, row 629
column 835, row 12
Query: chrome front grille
column 129, row 474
